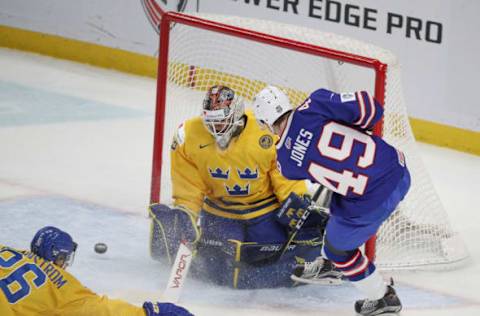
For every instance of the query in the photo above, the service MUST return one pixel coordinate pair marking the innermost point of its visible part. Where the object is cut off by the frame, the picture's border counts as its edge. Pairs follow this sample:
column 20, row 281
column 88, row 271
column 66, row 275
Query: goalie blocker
column 245, row 251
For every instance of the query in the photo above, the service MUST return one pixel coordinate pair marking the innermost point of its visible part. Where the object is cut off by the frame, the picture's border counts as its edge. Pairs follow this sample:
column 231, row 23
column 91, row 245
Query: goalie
column 231, row 202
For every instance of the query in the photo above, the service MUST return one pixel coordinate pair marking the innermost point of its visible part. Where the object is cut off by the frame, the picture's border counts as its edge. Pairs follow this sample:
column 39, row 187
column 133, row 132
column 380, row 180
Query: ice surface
column 75, row 151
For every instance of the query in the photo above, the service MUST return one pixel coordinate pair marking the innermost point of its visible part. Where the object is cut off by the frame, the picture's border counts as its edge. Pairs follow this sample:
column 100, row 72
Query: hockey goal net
column 246, row 54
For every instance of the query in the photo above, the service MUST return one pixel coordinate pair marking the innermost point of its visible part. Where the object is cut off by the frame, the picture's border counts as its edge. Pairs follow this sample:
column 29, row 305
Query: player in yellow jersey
column 35, row 282
column 227, row 198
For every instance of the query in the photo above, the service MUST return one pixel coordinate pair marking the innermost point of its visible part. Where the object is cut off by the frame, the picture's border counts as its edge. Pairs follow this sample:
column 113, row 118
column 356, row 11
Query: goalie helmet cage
column 198, row 51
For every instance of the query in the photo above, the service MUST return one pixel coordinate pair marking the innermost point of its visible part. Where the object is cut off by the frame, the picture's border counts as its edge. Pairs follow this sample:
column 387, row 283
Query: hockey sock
column 358, row 269
column 372, row 286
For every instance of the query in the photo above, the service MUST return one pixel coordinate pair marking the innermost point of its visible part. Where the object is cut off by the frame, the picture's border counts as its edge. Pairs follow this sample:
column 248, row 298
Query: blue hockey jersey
column 327, row 140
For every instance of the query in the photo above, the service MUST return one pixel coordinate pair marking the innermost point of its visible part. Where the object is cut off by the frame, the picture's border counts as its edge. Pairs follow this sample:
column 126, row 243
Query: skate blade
column 323, row 281
column 390, row 310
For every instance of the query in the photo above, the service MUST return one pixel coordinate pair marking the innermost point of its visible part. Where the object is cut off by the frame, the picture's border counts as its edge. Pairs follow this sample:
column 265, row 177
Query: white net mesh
column 418, row 234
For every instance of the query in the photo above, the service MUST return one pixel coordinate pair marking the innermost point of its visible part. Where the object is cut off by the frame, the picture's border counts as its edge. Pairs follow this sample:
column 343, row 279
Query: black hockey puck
column 100, row 247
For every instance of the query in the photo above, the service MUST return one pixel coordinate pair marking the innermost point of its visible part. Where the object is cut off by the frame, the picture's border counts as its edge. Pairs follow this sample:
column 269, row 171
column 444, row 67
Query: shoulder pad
column 179, row 137
column 180, row 134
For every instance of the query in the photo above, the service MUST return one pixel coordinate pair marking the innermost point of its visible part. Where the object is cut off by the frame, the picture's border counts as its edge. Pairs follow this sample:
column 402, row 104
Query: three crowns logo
column 219, row 174
column 247, row 173
column 238, row 190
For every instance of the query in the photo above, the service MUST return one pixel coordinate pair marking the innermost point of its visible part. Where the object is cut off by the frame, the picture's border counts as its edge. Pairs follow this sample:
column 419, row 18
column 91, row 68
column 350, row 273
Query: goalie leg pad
column 228, row 255
column 215, row 254
column 265, row 229
column 234, row 264
column 169, row 227
column 250, row 275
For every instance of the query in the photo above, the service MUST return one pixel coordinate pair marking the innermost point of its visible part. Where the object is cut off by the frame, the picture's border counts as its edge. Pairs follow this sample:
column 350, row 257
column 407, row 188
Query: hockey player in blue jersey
column 327, row 139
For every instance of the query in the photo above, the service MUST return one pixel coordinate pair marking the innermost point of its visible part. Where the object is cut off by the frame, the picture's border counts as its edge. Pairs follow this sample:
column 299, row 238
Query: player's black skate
column 389, row 303
column 319, row 271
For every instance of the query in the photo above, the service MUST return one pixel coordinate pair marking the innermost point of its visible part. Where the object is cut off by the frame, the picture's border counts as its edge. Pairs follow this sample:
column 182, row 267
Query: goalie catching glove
column 171, row 226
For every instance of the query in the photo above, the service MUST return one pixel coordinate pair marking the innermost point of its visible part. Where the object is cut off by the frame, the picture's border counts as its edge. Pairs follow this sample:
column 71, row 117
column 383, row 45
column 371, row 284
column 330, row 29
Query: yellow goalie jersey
column 31, row 286
column 240, row 182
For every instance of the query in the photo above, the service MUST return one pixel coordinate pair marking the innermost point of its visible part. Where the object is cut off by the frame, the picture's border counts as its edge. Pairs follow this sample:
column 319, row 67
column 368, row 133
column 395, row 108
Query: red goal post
column 181, row 71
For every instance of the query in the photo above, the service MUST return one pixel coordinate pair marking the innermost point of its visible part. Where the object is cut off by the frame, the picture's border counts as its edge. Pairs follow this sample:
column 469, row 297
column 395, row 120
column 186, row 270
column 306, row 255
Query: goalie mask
column 223, row 114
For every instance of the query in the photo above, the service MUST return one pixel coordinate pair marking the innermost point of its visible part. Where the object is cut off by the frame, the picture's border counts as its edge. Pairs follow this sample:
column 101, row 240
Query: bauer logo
column 275, row 248
column 270, row 248
column 154, row 9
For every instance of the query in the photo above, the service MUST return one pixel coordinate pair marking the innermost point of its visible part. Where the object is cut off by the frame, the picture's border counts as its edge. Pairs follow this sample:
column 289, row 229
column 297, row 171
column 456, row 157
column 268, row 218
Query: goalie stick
column 178, row 273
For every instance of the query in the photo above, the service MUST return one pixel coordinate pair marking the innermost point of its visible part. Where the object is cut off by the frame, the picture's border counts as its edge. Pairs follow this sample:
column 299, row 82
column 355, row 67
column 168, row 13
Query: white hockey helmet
column 269, row 105
column 222, row 113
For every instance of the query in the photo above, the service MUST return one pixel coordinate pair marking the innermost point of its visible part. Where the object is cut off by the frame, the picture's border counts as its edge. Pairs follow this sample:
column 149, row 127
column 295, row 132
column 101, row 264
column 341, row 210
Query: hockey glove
column 293, row 212
column 297, row 212
column 164, row 309
column 170, row 226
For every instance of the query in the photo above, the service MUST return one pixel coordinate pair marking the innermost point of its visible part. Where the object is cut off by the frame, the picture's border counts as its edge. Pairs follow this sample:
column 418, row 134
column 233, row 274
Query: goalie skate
column 319, row 271
column 389, row 303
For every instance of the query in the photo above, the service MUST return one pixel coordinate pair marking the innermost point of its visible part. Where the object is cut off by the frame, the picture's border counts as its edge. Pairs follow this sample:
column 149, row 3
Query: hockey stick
column 318, row 192
column 178, row 273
